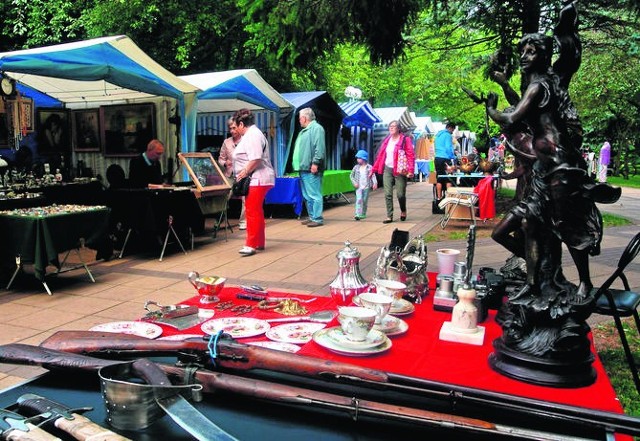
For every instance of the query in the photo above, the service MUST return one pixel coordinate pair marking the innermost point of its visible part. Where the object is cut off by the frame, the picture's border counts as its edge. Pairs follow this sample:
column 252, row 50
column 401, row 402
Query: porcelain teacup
column 380, row 303
column 390, row 288
column 356, row 321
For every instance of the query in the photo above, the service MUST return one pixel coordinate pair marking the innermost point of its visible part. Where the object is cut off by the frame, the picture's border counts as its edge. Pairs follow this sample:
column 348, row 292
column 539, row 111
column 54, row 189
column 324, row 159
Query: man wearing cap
column 363, row 179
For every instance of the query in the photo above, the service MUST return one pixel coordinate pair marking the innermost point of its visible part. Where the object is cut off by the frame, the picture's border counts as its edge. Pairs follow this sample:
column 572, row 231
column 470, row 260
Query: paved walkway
column 297, row 259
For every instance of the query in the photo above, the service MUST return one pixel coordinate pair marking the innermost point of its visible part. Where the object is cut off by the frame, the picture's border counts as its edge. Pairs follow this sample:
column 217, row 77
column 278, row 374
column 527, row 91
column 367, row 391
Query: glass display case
column 204, row 172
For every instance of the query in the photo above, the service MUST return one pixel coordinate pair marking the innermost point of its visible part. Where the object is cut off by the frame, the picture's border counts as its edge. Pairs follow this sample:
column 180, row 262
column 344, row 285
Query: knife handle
column 256, row 297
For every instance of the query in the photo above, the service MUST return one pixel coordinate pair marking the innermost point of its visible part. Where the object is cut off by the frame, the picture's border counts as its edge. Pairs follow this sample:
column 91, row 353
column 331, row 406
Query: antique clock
column 7, row 86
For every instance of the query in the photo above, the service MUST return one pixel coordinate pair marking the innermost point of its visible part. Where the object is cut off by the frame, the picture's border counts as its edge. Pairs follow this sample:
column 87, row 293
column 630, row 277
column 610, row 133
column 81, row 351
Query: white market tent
column 222, row 93
column 235, row 89
column 104, row 71
column 388, row 114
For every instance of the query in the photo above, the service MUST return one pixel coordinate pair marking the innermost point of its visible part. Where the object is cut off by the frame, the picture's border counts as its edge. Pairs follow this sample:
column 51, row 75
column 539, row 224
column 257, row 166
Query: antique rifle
column 234, row 355
column 288, row 395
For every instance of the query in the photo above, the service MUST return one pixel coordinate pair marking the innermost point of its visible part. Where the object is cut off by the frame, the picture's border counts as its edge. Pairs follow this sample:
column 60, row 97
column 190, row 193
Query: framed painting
column 127, row 128
column 86, row 130
column 53, row 128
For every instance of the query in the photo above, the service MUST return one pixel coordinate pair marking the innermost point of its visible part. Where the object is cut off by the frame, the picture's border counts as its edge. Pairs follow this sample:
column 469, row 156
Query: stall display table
column 337, row 182
column 286, row 191
column 39, row 235
column 423, row 168
column 470, row 179
column 418, row 353
column 155, row 214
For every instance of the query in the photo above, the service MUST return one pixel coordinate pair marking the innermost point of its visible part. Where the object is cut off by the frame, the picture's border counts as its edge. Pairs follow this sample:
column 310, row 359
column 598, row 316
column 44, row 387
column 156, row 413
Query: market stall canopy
column 328, row 114
column 107, row 70
column 236, row 89
column 424, row 123
column 359, row 113
column 388, row 114
column 101, row 70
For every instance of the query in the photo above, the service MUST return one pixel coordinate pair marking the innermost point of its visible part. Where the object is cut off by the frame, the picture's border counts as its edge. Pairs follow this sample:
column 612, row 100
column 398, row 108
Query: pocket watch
column 7, row 86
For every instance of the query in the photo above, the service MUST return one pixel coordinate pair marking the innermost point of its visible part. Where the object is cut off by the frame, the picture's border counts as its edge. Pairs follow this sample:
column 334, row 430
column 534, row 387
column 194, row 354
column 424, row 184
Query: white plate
column 392, row 326
column 279, row 346
column 301, row 332
column 141, row 329
column 179, row 337
column 402, row 307
column 374, row 338
column 326, row 342
column 237, row 327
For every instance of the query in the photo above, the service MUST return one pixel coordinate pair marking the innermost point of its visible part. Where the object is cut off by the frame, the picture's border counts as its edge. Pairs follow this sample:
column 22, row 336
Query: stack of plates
column 335, row 340
column 392, row 325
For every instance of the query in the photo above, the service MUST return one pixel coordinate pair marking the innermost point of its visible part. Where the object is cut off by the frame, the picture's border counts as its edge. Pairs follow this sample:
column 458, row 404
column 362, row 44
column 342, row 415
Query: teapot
column 348, row 282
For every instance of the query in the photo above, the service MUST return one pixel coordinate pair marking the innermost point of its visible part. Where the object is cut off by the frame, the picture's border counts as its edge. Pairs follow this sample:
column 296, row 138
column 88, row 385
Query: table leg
column 46, row 287
column 15, row 273
column 166, row 238
column 124, row 245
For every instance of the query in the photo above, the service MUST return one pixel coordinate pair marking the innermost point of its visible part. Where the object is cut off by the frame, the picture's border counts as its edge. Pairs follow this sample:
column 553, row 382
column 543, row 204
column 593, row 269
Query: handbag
column 241, row 187
column 402, row 164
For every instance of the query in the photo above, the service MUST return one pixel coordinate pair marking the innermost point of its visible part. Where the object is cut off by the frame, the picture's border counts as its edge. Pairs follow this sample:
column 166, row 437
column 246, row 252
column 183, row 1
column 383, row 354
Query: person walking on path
column 363, row 180
column 444, row 156
column 308, row 160
column 251, row 158
column 225, row 159
column 603, row 162
column 395, row 161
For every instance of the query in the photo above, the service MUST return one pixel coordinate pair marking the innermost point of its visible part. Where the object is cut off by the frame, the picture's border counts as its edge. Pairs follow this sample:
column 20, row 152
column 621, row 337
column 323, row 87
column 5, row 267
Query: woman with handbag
column 395, row 161
column 251, row 160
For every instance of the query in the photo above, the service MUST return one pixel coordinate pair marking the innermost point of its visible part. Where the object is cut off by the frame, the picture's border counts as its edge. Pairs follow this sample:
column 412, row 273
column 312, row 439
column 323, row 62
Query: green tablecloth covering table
column 334, row 182
column 40, row 239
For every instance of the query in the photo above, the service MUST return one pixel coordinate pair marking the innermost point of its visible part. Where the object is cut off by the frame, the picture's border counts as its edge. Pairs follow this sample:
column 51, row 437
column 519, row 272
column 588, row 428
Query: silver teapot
column 348, row 282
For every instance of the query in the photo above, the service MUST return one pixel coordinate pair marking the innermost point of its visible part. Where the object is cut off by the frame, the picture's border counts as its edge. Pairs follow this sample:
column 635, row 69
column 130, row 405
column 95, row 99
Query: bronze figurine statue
column 544, row 337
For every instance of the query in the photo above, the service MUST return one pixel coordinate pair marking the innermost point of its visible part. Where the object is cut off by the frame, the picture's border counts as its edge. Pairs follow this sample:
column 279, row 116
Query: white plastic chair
column 450, row 203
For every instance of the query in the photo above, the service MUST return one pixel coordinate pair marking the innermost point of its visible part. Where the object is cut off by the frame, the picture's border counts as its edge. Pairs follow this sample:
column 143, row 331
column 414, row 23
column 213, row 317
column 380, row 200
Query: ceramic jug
column 348, row 282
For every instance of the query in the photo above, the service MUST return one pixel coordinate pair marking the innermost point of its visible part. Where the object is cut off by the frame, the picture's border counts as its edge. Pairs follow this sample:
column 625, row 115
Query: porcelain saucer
column 392, row 326
column 374, row 338
column 321, row 338
column 402, row 307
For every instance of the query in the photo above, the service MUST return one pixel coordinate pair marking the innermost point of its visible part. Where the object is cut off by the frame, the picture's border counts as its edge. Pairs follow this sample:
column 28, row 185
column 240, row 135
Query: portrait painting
column 53, row 127
column 86, row 130
column 127, row 129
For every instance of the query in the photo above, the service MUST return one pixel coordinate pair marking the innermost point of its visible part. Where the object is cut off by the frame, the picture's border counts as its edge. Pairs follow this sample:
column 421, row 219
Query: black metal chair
column 619, row 303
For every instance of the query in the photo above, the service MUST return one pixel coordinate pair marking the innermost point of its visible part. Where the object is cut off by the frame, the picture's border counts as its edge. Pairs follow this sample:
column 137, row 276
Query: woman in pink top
column 395, row 161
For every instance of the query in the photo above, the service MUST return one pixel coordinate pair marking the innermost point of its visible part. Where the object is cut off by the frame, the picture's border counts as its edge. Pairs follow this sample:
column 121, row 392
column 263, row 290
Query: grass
column 615, row 363
column 633, row 181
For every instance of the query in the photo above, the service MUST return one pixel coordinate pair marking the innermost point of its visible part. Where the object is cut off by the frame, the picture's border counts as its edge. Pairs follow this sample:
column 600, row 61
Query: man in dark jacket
column 145, row 169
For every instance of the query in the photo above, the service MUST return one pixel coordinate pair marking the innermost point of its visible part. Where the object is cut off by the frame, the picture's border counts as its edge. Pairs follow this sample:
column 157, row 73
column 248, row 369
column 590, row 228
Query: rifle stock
column 231, row 354
column 284, row 394
column 234, row 355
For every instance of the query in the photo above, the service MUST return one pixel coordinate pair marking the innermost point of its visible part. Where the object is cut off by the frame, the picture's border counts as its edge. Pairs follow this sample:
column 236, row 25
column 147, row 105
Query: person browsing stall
column 395, row 161
column 145, row 169
column 225, row 159
column 251, row 157
column 444, row 156
column 308, row 160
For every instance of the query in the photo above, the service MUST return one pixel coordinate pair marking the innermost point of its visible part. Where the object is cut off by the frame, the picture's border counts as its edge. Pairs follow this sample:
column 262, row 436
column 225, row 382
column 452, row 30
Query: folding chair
column 450, row 204
column 619, row 303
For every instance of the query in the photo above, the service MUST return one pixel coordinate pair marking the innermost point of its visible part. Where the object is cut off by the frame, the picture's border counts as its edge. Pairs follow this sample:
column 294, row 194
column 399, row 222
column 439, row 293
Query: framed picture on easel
column 127, row 128
column 86, row 130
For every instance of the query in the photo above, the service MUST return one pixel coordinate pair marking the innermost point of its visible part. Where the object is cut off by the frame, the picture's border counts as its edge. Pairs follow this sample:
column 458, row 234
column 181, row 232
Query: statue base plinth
column 535, row 370
column 448, row 332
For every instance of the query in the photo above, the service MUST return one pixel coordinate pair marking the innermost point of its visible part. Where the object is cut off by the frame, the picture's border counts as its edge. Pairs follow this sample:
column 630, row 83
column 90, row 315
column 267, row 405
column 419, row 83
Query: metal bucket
column 132, row 405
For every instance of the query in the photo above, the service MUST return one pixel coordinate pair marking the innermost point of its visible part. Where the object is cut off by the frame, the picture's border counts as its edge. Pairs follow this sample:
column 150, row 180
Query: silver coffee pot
column 348, row 282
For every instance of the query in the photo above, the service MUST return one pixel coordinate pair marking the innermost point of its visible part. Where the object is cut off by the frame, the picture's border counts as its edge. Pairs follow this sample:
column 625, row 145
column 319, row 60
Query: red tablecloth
column 420, row 353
